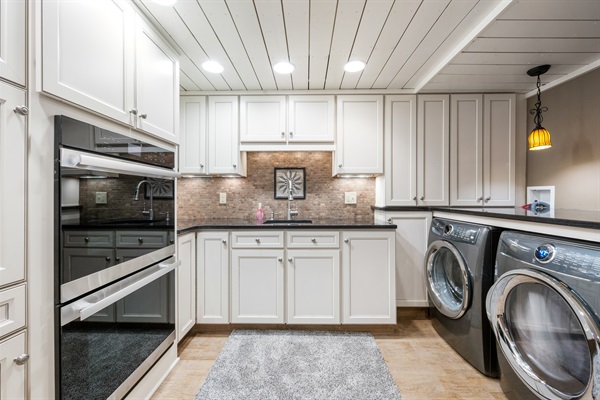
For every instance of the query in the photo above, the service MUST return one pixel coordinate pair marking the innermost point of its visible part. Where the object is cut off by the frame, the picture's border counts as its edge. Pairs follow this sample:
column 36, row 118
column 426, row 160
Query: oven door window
column 104, row 354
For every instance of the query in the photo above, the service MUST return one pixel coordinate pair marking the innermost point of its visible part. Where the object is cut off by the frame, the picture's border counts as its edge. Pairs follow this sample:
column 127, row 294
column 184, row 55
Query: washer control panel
column 544, row 253
column 461, row 233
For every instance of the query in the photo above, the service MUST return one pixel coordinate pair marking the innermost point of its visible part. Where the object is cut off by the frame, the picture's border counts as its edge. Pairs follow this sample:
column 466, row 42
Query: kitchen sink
column 287, row 221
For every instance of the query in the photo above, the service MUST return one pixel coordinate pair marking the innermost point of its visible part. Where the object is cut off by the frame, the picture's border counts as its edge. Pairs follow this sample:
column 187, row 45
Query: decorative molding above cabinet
column 127, row 73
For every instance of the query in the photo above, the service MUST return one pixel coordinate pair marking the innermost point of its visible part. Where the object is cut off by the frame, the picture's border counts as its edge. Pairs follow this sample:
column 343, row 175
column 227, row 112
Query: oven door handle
column 78, row 159
column 90, row 305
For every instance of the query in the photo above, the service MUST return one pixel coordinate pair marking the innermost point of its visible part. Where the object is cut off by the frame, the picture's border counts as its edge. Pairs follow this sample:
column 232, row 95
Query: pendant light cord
column 538, row 110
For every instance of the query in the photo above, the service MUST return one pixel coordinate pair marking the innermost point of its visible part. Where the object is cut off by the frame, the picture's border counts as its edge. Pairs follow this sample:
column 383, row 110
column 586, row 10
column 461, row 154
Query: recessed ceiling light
column 165, row 2
column 354, row 66
column 283, row 67
column 212, row 66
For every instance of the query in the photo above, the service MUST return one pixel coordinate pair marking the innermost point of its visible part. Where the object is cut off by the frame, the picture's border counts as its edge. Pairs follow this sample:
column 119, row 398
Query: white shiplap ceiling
column 408, row 45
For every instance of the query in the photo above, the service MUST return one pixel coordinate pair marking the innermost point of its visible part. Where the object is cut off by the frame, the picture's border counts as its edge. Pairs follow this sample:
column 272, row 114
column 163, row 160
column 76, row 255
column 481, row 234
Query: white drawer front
column 313, row 239
column 12, row 309
column 257, row 240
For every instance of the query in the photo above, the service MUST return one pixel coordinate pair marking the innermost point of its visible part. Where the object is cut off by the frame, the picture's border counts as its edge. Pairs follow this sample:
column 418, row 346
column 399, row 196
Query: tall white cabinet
column 186, row 285
column 212, row 285
column 482, row 169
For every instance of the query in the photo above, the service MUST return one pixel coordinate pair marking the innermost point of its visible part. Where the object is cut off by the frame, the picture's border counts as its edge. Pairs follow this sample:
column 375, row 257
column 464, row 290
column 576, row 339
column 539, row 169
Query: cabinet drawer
column 142, row 240
column 12, row 309
column 313, row 239
column 255, row 240
column 89, row 238
column 12, row 385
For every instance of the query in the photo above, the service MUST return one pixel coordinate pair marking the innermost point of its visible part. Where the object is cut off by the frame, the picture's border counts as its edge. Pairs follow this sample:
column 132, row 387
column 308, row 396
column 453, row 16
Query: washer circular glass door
column 547, row 334
column 448, row 281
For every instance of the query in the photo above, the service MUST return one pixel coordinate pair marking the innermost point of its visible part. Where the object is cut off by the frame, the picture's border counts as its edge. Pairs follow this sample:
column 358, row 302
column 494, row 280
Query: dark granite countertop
column 565, row 217
column 184, row 226
column 121, row 224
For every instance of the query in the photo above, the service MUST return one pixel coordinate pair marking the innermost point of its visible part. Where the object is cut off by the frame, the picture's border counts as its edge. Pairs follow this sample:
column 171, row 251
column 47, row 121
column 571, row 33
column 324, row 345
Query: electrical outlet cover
column 222, row 198
column 350, row 197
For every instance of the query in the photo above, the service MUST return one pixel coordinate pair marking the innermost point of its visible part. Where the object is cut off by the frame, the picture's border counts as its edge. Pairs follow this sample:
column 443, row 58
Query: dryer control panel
column 456, row 232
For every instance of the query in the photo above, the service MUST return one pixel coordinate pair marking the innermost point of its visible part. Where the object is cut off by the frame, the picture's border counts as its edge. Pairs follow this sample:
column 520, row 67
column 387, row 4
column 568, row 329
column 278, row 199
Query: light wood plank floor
column 423, row 366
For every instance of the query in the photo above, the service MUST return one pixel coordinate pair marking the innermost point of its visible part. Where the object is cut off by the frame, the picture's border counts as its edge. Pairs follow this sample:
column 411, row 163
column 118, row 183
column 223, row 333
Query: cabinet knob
column 389, row 221
column 314, row 240
column 291, row 134
column 143, row 116
column 22, row 359
column 290, row 259
column 346, row 240
column 117, row 258
column 280, row 259
column 87, row 239
column 107, row 258
column 133, row 111
column 487, row 199
column 224, row 241
column 140, row 240
column 422, row 198
column 234, row 165
column 339, row 165
column 21, row 110
column 415, row 198
column 257, row 240
column 201, row 165
column 479, row 199
column 282, row 135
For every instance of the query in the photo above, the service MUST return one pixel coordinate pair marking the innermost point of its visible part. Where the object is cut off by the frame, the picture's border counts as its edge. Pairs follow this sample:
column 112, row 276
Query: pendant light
column 539, row 138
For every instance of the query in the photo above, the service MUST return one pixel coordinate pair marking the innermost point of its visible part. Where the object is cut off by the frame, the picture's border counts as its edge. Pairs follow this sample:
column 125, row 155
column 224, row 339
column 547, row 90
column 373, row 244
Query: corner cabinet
column 359, row 144
column 186, row 284
column 482, row 169
column 368, row 277
column 127, row 73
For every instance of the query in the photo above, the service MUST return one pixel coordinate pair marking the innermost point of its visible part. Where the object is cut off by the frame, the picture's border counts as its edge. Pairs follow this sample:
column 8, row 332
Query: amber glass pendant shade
column 539, row 139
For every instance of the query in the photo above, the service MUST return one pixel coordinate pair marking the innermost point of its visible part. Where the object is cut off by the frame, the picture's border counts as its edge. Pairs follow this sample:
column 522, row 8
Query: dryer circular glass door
column 547, row 334
column 448, row 280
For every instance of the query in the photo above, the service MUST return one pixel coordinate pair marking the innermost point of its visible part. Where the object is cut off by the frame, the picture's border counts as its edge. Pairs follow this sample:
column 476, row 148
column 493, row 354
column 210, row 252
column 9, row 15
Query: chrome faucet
column 291, row 213
column 149, row 212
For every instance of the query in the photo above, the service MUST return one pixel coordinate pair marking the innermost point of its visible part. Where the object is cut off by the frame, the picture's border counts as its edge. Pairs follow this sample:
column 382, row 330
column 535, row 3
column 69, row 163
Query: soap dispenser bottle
column 260, row 215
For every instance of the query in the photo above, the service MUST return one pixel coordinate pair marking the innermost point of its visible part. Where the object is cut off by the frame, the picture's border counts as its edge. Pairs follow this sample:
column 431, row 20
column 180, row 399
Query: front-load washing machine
column 459, row 265
column 544, row 309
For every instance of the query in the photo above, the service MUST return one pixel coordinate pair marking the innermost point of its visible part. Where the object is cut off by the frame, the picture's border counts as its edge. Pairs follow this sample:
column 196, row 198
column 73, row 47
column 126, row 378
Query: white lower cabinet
column 313, row 287
column 368, row 277
column 212, row 283
column 13, row 367
column 186, row 284
column 257, row 286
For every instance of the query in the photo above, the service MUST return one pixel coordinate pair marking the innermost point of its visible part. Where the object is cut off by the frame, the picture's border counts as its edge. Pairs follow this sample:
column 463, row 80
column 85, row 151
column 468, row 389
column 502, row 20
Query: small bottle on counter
column 260, row 215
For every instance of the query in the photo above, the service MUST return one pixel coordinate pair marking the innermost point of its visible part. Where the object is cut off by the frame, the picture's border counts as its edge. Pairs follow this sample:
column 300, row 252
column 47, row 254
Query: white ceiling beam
column 566, row 78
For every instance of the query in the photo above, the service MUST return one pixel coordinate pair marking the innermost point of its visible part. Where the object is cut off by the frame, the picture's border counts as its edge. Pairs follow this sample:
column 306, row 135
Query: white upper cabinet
column 433, row 150
column 359, row 146
column 13, row 142
column 400, row 150
column 223, row 136
column 101, row 56
column 193, row 148
column 287, row 122
column 13, row 23
column 157, row 84
column 482, row 169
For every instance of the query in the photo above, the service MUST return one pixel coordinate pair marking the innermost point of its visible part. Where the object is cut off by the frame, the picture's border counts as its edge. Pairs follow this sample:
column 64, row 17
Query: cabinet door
column 192, row 140
column 257, row 286
column 411, row 245
column 13, row 139
column 262, row 119
column 359, row 147
column 212, row 294
column 311, row 119
column 368, row 278
column 223, row 138
column 156, row 83
column 433, row 149
column 87, row 54
column 313, row 287
column 466, row 150
column 499, row 149
column 186, row 284
column 13, row 23
column 401, row 150
column 12, row 384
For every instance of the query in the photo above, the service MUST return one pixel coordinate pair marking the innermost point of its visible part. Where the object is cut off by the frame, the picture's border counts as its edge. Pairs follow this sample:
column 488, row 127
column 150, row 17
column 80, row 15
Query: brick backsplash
column 198, row 198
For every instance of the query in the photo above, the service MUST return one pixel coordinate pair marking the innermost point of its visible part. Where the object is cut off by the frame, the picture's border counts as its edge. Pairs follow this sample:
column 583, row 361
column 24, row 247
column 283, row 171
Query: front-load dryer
column 459, row 265
column 544, row 309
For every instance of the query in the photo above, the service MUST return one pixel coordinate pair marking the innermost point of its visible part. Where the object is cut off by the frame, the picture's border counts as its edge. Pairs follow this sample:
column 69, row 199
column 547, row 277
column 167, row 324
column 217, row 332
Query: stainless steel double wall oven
column 114, row 259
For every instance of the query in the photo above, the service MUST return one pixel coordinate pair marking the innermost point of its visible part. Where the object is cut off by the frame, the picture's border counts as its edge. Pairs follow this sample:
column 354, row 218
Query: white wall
column 573, row 162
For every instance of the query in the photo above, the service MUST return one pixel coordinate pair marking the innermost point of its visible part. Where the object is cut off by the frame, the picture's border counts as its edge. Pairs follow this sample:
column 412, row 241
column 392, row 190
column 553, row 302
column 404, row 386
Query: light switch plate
column 222, row 198
column 100, row 197
column 350, row 197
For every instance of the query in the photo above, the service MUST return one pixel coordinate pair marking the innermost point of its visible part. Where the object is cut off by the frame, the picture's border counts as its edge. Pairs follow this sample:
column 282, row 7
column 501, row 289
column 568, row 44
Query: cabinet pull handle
column 422, row 198
column 107, row 258
column 389, row 221
column 339, row 165
column 22, row 110
column 346, row 240
column 133, row 111
column 140, row 240
column 282, row 135
column 257, row 240
column 224, row 241
column 291, row 134
column 143, row 116
column 22, row 359
column 280, row 259
column 87, row 239
column 313, row 240
column 487, row 199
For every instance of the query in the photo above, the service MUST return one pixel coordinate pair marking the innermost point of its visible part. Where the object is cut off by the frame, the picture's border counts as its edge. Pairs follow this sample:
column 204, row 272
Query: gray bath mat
column 274, row 365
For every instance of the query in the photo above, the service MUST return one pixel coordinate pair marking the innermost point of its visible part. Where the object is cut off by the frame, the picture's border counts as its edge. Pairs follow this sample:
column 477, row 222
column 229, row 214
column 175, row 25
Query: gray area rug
column 299, row 365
